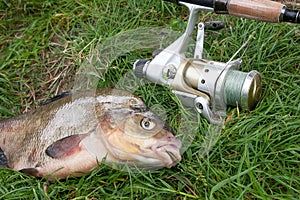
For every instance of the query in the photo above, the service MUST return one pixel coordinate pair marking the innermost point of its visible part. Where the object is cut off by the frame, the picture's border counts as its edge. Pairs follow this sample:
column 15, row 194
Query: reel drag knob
column 139, row 67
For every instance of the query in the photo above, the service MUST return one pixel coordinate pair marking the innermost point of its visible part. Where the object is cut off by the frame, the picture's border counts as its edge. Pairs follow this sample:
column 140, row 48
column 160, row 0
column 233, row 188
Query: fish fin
column 30, row 171
column 57, row 97
column 65, row 147
column 3, row 160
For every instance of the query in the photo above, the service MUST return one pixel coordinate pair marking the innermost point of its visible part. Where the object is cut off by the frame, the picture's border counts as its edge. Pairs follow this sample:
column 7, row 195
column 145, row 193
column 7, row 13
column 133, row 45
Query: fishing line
column 246, row 44
column 233, row 86
column 234, row 79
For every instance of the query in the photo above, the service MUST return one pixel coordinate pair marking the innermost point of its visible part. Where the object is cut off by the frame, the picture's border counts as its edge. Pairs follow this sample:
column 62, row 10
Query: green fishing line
column 233, row 87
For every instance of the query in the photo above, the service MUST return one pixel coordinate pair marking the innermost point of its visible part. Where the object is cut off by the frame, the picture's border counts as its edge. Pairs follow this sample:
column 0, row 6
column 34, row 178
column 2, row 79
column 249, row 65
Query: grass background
column 257, row 155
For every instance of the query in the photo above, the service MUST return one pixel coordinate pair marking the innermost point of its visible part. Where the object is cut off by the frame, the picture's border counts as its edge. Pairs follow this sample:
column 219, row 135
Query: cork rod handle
column 261, row 10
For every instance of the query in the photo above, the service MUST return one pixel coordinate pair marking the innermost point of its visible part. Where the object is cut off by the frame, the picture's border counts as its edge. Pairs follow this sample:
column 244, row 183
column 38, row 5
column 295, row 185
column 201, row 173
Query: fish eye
column 147, row 124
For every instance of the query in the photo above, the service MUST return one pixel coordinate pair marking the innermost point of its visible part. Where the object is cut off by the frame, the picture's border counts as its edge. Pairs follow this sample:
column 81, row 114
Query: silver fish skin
column 71, row 135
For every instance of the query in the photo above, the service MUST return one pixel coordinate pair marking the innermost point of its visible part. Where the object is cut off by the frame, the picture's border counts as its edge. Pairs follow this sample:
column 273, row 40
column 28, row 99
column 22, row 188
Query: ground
column 43, row 45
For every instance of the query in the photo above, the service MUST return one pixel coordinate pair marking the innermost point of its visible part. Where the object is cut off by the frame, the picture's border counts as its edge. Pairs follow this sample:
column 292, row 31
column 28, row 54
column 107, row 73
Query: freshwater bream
column 74, row 133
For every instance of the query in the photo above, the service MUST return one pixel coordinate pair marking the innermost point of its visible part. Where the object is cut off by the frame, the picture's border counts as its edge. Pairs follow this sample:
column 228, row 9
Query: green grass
column 43, row 44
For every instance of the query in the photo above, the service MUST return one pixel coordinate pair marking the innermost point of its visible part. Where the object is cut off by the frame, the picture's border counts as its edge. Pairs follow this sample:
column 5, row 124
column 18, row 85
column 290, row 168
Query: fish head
column 134, row 135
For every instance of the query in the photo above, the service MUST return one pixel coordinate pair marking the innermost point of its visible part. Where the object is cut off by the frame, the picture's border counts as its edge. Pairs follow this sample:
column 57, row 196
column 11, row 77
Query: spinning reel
column 210, row 86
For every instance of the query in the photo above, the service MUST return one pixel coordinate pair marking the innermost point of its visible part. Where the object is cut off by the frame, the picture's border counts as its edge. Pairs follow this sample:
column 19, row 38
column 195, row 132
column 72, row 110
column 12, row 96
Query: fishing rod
column 261, row 10
column 210, row 86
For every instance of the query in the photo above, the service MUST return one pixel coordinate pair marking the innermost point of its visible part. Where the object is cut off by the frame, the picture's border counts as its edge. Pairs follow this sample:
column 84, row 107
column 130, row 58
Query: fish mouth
column 169, row 152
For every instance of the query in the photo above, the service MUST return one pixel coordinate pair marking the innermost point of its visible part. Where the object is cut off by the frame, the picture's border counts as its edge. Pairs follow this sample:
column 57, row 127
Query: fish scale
column 73, row 132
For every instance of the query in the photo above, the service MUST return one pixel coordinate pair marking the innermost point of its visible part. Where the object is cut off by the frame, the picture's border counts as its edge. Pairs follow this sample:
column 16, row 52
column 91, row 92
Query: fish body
column 73, row 134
